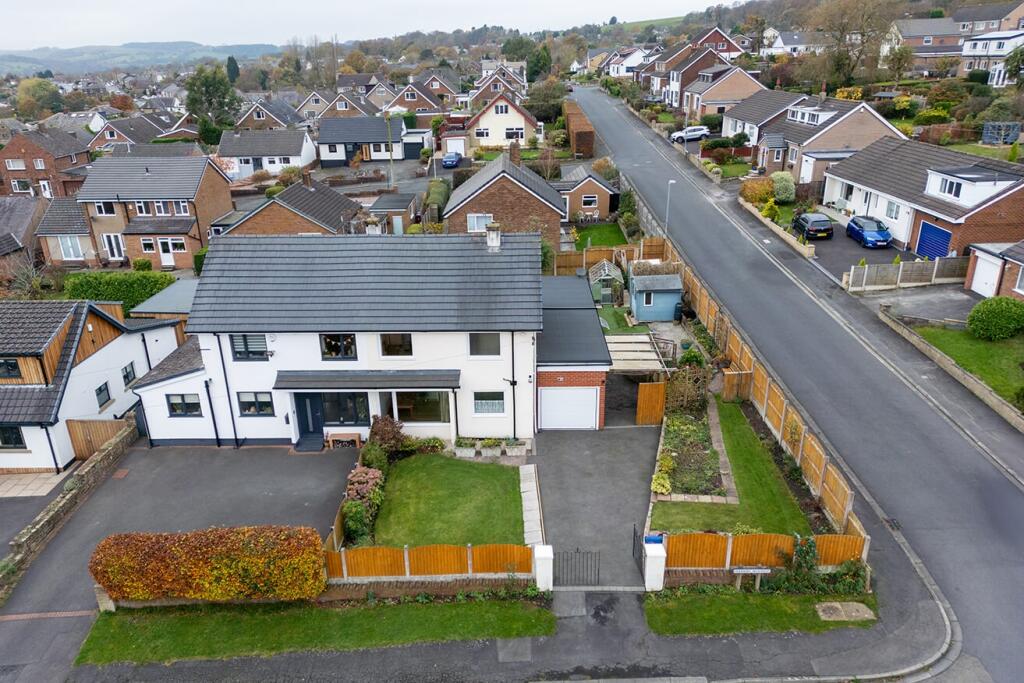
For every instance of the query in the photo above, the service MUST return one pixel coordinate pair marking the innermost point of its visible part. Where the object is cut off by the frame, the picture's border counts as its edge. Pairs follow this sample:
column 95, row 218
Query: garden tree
column 35, row 96
column 754, row 26
column 1014, row 65
column 45, row 73
column 232, row 69
column 76, row 100
column 899, row 61
column 853, row 31
column 356, row 60
column 937, row 13
column 649, row 34
column 209, row 132
column 211, row 96
column 545, row 99
column 122, row 102
column 426, row 54
column 519, row 48
column 539, row 63
column 946, row 66
column 253, row 78
column 613, row 21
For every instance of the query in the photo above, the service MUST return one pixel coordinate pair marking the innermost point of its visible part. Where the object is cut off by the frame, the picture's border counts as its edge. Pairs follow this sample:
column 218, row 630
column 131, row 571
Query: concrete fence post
column 405, row 556
column 935, row 270
column 469, row 558
column 728, row 551
column 800, row 449
column 864, row 551
column 655, row 557
column 899, row 275
column 344, row 564
column 544, row 567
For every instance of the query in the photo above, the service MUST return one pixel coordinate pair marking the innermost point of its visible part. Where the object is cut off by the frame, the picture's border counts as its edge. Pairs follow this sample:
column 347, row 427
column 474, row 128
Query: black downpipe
column 513, row 383
column 213, row 413
column 145, row 349
column 455, row 398
column 53, row 453
column 227, row 389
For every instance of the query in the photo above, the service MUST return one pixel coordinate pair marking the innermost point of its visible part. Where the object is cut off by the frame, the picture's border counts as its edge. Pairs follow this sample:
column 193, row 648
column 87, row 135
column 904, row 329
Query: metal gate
column 638, row 548
column 577, row 567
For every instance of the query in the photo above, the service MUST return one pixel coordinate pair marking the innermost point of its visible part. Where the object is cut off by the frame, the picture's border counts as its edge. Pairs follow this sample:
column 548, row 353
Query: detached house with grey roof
column 270, row 114
column 244, row 152
column 373, row 138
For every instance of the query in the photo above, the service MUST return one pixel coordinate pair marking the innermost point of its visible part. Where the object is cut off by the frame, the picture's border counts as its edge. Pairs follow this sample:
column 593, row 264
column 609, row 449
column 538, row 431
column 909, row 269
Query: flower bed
column 686, row 462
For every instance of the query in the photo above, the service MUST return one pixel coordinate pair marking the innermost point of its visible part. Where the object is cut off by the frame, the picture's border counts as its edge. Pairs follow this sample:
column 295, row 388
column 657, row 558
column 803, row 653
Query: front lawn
column 615, row 316
column 990, row 151
column 221, row 631
column 437, row 499
column 526, row 154
column 600, row 235
column 997, row 364
column 666, row 117
column 736, row 170
column 785, row 215
column 765, row 500
column 734, row 612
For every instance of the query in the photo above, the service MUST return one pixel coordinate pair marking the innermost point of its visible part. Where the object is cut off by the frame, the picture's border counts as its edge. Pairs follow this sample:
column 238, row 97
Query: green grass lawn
column 639, row 25
column 615, row 316
column 785, row 215
column 991, row 151
column 736, row 170
column 765, row 500
column 216, row 632
column 666, row 117
column 600, row 235
column 998, row 364
column 527, row 154
column 734, row 612
column 437, row 499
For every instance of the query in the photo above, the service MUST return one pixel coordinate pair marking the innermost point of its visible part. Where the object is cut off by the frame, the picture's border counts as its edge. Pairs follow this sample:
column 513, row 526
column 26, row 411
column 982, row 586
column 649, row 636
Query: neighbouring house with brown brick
column 443, row 83
column 348, row 104
column 587, row 196
column 492, row 87
column 43, row 162
column 717, row 89
column 929, row 39
column 305, row 208
column 19, row 217
column 655, row 74
column 717, row 40
column 415, row 97
column 996, row 269
column 159, row 209
column 935, row 201
column 314, row 105
column 686, row 72
column 269, row 115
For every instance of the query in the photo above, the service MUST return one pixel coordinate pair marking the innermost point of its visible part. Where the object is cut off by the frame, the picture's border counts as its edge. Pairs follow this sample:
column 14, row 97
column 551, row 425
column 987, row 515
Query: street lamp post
column 668, row 200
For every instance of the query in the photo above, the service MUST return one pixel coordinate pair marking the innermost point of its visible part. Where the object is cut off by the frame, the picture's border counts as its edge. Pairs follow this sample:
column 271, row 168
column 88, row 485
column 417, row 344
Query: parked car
column 451, row 160
column 870, row 232
column 691, row 133
column 814, row 226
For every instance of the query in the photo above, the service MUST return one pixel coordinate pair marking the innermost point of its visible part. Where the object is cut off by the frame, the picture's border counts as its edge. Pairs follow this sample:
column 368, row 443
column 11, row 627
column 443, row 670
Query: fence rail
column 877, row 276
column 657, row 248
column 425, row 561
column 726, row 551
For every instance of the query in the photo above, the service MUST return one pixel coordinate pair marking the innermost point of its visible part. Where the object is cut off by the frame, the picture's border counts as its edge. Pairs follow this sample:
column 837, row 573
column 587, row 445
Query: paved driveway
column 594, row 486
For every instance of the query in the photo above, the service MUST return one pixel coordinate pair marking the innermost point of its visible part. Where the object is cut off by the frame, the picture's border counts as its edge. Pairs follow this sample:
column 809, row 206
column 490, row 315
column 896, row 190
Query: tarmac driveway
column 594, row 486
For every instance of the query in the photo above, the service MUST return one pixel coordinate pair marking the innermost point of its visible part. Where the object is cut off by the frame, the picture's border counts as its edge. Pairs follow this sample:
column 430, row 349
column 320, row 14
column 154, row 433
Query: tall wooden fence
column 726, row 551
column 88, row 436
column 383, row 562
column 657, row 248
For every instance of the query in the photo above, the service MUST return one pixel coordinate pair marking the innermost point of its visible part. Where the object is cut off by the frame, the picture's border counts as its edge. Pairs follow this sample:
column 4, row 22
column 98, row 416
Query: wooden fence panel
column 759, row 387
column 835, row 495
column 375, row 561
column 765, row 550
column 776, row 405
column 428, row 560
column 854, row 526
column 502, row 558
column 712, row 323
column 88, row 436
column 696, row 550
column 812, row 462
column 735, row 347
column 332, row 559
column 650, row 403
column 835, row 549
column 793, row 430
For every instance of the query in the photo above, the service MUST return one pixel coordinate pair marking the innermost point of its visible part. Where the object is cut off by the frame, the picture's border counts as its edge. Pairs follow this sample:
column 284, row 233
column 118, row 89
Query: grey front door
column 310, row 413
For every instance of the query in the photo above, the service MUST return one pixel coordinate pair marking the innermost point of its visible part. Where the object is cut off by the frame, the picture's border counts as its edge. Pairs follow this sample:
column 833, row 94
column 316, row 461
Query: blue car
column 451, row 160
column 870, row 232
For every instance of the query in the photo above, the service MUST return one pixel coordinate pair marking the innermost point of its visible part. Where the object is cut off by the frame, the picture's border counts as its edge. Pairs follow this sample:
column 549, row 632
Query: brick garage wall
column 516, row 209
column 971, row 267
column 275, row 220
column 1011, row 271
column 1000, row 222
column 592, row 378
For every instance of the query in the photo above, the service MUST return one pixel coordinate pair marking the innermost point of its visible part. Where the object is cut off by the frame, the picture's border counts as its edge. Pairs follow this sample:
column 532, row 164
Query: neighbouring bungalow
column 348, row 104
column 245, row 152
column 586, row 194
column 395, row 211
column 751, row 115
column 306, row 208
column 373, row 138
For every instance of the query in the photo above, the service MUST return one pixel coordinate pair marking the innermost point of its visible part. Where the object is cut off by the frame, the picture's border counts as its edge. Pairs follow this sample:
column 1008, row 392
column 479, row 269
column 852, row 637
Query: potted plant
column 490, row 448
column 514, row 448
column 465, row 448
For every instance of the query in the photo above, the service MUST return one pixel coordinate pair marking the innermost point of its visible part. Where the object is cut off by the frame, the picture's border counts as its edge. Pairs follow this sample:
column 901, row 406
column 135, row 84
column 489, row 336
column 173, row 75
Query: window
column 1000, row 45
column 488, row 402
column 177, row 244
column 39, row 164
column 777, row 155
column 338, row 346
column 114, row 244
column 495, row 87
column 183, row 405
column 147, row 245
column 482, row 133
column 514, row 134
column 892, row 210
column 111, row 134
column 162, row 208
column 966, row 26
column 21, row 186
column 1020, row 281
column 927, row 40
column 15, row 164
column 332, row 149
column 142, row 209
column 410, row 95
column 128, row 374
column 993, row 24
column 316, row 100
column 271, row 161
column 396, row 344
column 791, row 115
column 792, row 154
column 10, row 437
column 589, row 201
column 812, row 119
column 74, row 158
column 950, row 187
column 434, row 85
column 102, row 395
column 259, row 115
column 181, row 208
column 347, row 409
column 245, row 161
column 309, row 113
column 70, row 248
column 721, row 46
column 847, row 191
column 477, row 222
column 484, row 344
column 422, row 406
column 105, row 208
column 377, row 148
column 9, row 368
column 501, row 109
column 341, row 105
column 286, row 160
column 249, row 346
column 648, row 298
column 255, row 404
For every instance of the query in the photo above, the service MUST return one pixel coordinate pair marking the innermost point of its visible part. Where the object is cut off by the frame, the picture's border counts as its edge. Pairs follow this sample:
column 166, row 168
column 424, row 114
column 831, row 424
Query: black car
column 814, row 226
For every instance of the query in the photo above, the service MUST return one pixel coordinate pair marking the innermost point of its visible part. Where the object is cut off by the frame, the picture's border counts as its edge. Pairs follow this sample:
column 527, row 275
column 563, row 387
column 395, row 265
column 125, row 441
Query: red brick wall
column 182, row 259
column 999, row 222
column 1011, row 271
column 276, row 220
column 513, row 207
column 594, row 378
column 23, row 148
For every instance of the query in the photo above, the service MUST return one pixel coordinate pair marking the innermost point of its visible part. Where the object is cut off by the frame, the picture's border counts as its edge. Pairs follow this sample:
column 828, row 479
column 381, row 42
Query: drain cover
column 892, row 523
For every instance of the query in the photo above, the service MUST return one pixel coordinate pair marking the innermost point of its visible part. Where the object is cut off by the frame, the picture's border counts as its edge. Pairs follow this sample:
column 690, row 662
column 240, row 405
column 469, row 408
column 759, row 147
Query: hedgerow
column 131, row 288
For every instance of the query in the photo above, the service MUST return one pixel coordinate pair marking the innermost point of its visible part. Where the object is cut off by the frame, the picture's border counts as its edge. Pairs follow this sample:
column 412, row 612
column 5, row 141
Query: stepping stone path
column 844, row 611
column 533, row 526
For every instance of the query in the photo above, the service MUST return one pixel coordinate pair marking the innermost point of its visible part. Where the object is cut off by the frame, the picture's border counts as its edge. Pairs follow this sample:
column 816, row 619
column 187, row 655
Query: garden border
column 805, row 250
column 731, row 496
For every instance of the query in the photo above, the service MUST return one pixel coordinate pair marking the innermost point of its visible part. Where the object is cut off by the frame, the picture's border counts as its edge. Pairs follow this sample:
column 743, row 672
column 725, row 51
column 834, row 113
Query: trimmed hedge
column 996, row 319
column 218, row 564
column 131, row 288
column 199, row 259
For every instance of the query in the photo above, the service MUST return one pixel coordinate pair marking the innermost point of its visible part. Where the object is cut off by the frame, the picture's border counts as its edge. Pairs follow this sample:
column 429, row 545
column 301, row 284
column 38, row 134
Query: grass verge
column 765, row 500
column 216, row 632
column 997, row 364
column 600, row 235
column 734, row 612
column 437, row 499
column 615, row 316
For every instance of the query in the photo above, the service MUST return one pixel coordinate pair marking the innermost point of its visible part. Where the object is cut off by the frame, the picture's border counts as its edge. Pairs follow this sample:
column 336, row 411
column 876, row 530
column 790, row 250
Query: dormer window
column 259, row 115
column 1000, row 45
column 812, row 119
column 950, row 187
column 316, row 100
column 792, row 115
column 927, row 40
column 9, row 368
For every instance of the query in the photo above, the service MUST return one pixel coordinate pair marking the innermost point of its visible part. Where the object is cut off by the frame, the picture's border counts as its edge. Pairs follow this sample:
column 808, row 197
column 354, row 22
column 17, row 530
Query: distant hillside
column 639, row 25
column 130, row 55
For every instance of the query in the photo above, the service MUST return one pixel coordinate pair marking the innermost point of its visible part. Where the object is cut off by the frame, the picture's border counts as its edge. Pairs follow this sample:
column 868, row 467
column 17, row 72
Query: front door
column 309, row 410
column 257, row 164
column 44, row 189
column 396, row 225
column 166, row 255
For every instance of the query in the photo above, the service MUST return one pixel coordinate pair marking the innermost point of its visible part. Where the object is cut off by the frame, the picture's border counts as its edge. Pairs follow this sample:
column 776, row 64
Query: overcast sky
column 70, row 23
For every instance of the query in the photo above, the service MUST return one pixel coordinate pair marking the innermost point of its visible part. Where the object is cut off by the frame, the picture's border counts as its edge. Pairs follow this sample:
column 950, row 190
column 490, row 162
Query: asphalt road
column 959, row 512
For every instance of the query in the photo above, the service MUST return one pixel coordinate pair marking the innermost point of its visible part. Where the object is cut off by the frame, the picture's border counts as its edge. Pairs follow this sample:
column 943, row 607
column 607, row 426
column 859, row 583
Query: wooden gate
column 650, row 403
column 88, row 436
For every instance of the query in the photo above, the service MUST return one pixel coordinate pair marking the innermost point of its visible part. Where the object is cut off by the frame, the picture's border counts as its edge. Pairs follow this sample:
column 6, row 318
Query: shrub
column 852, row 93
column 547, row 256
column 438, row 192
column 430, row 444
column 357, row 524
column 386, row 432
column 273, row 191
column 366, row 485
column 997, row 318
column 721, row 156
column 289, row 175
column 198, row 259
column 628, row 221
column 661, row 484
column 757, row 190
column 927, row 117
column 783, row 187
column 712, row 121
column 260, row 176
column 1014, row 152
column 978, row 76
column 981, row 90
column 425, row 153
column 131, row 288
column 605, row 167
column 558, row 138
column 142, row 264
column 691, row 356
column 1018, row 398
column 373, row 456
column 770, row 211
column 531, row 142
column 219, row 564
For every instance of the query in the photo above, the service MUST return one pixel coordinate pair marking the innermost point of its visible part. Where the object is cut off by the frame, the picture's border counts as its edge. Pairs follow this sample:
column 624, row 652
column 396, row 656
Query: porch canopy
column 301, row 380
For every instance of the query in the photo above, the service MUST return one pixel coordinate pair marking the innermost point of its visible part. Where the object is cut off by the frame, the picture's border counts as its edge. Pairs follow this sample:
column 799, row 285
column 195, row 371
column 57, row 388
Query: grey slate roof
column 773, row 141
column 354, row 80
column 364, row 283
column 423, row 91
column 150, row 150
column 356, row 100
column 504, row 166
column 261, row 143
column 359, row 130
column 984, row 12
column 579, row 174
column 900, row 168
column 367, row 379
column 64, row 216
column 572, row 332
column 799, row 133
column 1015, row 253
column 159, row 225
column 26, row 327
column 763, row 105
column 141, row 178
column 280, row 110
column 393, row 201
column 137, row 128
column 175, row 298
column 915, row 28
column 183, row 360
column 321, row 204
column 16, row 215
column 718, row 71
column 657, row 283
column 57, row 142
column 802, row 38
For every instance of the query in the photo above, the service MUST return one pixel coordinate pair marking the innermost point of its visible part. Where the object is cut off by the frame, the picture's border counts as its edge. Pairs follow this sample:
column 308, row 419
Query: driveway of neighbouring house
column 594, row 486
column 165, row 489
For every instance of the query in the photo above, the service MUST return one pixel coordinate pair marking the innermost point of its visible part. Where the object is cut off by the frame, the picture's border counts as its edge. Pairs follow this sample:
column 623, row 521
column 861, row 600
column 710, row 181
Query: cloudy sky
column 70, row 23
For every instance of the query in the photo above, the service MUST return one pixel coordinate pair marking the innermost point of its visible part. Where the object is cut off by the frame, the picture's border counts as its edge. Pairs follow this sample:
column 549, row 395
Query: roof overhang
column 300, row 380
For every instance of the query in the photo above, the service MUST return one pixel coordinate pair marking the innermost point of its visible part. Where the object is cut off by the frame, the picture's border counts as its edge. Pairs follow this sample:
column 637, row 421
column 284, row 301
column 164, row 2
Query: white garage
column 569, row 407
column 987, row 270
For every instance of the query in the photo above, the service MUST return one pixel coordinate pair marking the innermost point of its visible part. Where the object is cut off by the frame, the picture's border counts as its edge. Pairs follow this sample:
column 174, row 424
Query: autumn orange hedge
column 219, row 564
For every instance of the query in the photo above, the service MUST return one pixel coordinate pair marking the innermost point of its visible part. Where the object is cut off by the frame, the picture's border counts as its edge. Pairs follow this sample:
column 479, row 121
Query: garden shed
column 653, row 297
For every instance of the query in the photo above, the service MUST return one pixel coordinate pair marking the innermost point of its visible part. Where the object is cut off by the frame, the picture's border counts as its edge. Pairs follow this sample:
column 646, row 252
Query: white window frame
column 113, row 244
column 341, row 105
column 142, row 209
column 777, row 154
column 111, row 134
column 927, row 40
column 589, row 201
column 495, row 87
column 489, row 413
column 162, row 208
column 177, row 245
column 15, row 164
column 148, row 245
column 181, row 208
column 792, row 154
column 259, row 114
column 518, row 133
column 648, row 298
column 315, row 101
column 501, row 109
column 1020, row 281
column 100, row 208
column 285, row 161
column 21, row 182
column 409, row 95
column 951, row 188
column 40, row 164
column 473, row 224
column 70, row 248
column 45, row 189
column 892, row 210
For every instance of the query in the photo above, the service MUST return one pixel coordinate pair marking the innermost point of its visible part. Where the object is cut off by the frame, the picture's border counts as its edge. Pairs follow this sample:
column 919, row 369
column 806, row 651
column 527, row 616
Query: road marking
column 30, row 616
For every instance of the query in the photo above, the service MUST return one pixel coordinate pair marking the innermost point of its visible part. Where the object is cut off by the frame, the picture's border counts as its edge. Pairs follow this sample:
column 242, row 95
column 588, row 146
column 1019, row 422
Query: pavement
column 936, row 461
column 938, row 302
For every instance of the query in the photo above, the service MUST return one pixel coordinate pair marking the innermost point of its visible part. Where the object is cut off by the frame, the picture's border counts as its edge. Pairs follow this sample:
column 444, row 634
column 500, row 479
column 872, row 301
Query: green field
column 990, row 151
column 640, row 25
column 997, row 364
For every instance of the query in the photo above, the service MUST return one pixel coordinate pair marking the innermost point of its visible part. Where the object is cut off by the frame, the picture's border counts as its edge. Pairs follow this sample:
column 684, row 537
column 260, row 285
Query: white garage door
column 456, row 145
column 569, row 407
column 986, row 274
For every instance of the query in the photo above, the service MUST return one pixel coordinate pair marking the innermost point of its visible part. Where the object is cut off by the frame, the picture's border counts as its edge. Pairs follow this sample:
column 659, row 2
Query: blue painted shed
column 654, row 297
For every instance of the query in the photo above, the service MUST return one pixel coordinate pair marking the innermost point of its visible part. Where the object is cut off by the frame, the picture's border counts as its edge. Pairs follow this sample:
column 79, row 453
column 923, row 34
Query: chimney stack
column 823, row 94
column 493, row 237
column 515, row 154
column 307, row 177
